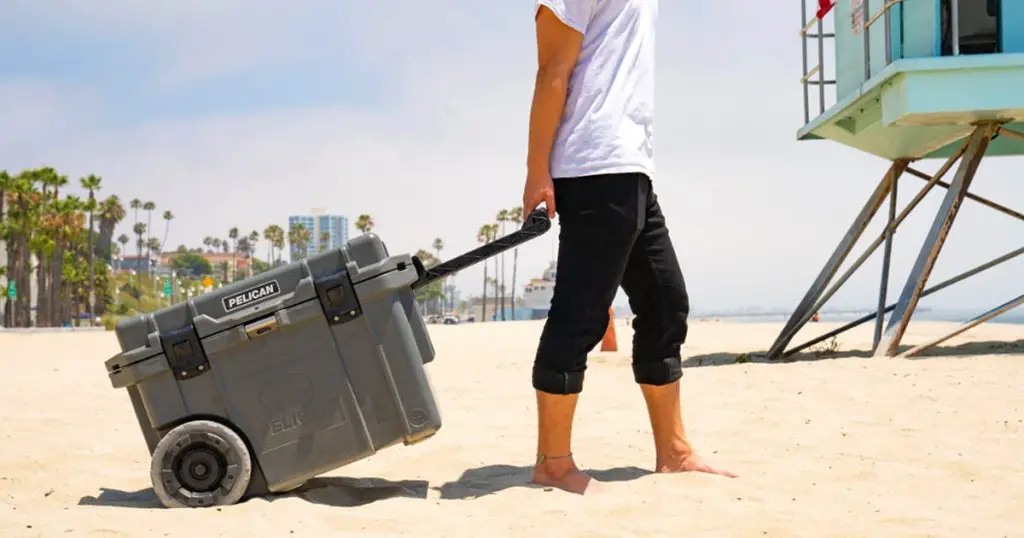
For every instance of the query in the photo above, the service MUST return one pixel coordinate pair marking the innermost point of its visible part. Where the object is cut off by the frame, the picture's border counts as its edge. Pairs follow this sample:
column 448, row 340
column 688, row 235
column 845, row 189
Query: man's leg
column 598, row 224
column 657, row 294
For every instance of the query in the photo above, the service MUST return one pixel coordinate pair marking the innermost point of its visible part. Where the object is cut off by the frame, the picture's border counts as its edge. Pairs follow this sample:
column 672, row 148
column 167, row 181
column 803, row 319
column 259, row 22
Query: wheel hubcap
column 200, row 468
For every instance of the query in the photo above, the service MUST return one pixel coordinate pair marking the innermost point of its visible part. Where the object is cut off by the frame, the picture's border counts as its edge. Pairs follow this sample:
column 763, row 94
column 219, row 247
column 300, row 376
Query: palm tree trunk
column 92, row 274
column 138, row 272
column 44, row 293
column 515, row 264
column 501, row 277
column 149, row 254
column 25, row 286
column 483, row 312
column 12, row 272
column 58, row 314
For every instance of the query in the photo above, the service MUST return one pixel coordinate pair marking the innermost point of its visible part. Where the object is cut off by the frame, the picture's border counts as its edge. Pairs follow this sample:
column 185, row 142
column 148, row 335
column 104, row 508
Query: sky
column 242, row 112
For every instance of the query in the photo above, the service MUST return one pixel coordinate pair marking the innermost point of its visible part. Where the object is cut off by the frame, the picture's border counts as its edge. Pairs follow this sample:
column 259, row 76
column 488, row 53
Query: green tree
column 432, row 293
column 191, row 264
column 364, row 223
column 299, row 238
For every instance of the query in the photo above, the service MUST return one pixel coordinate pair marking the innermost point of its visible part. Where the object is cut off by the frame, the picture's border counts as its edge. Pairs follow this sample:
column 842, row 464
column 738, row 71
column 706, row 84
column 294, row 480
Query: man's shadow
column 490, row 479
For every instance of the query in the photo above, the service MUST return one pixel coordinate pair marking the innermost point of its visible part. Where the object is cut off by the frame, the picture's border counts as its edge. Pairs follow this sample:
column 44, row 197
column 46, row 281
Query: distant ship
column 537, row 293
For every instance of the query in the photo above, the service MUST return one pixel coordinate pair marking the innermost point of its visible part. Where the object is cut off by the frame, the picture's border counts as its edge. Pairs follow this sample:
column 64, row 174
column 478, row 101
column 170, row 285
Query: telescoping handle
column 535, row 225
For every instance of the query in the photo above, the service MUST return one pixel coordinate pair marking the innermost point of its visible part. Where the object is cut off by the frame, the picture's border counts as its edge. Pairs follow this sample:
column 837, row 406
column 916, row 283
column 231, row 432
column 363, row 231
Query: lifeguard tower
column 914, row 79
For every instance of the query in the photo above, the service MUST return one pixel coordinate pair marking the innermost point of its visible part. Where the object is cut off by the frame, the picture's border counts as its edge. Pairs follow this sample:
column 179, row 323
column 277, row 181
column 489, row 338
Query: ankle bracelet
column 541, row 458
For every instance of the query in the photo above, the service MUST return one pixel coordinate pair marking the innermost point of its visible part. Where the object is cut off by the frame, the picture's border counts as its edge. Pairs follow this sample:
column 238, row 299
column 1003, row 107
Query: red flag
column 824, row 6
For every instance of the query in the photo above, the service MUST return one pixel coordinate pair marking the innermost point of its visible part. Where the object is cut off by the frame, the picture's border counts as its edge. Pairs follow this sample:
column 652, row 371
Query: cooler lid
column 149, row 348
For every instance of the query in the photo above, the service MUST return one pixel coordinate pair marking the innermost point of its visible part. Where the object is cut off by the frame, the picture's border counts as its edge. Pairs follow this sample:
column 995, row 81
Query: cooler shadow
column 490, row 479
column 345, row 492
column 143, row 498
column 760, row 357
column 327, row 490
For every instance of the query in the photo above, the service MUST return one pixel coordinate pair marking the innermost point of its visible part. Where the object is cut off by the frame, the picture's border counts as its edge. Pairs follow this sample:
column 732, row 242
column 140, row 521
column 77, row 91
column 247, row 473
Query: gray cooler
column 268, row 382
column 284, row 376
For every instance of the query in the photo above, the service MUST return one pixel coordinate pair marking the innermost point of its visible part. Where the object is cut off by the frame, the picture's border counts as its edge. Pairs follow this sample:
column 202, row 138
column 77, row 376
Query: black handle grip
column 535, row 225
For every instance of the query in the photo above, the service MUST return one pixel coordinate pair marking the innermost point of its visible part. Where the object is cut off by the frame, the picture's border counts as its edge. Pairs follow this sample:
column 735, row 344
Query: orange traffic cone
column 609, row 343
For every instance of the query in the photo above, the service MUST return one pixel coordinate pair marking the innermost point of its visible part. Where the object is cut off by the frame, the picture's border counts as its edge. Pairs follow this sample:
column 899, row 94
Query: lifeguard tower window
column 977, row 25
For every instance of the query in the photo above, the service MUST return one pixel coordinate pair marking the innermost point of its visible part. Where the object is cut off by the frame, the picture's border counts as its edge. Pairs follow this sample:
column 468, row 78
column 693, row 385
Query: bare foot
column 563, row 474
column 688, row 462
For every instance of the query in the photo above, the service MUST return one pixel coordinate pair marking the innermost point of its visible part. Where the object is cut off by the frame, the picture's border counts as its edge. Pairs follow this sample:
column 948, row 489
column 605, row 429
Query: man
column 591, row 129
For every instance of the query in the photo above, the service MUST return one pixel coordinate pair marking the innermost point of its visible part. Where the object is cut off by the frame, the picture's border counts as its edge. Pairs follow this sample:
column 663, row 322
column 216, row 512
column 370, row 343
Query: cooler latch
column 338, row 298
column 185, row 355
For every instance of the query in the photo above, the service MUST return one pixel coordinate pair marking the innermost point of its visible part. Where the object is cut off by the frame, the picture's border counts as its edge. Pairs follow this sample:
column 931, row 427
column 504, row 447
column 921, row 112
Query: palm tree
column 254, row 239
column 139, row 229
column 268, row 234
column 168, row 217
column 111, row 214
column 492, row 236
column 515, row 215
column 63, row 230
column 438, row 246
column 483, row 236
column 325, row 238
column 299, row 237
column 233, row 236
column 148, row 207
column 123, row 239
column 502, row 218
column 364, row 223
column 5, row 183
column 153, row 244
column 278, row 242
column 92, row 184
column 23, row 203
column 135, row 204
column 6, row 186
column 274, row 235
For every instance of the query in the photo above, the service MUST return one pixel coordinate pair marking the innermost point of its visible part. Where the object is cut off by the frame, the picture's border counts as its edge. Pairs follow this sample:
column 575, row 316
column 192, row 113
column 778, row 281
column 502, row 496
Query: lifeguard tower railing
column 905, row 90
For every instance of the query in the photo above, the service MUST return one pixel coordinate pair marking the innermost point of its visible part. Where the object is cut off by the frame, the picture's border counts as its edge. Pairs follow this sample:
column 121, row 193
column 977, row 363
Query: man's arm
column 558, row 47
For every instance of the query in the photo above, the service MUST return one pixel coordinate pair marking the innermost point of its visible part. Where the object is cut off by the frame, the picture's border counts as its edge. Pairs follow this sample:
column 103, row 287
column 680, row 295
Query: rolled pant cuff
column 553, row 382
column 663, row 372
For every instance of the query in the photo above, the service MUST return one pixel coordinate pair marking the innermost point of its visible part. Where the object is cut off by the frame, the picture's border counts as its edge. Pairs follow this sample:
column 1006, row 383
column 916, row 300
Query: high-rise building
column 328, row 231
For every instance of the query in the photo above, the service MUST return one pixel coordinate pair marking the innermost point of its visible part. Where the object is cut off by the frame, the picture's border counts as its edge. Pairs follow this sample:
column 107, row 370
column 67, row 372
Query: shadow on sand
column 326, row 490
column 490, row 479
column 759, row 357
column 352, row 492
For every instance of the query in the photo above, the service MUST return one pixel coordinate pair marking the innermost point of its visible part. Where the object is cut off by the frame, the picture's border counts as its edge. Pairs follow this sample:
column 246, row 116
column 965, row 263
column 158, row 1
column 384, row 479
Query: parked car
column 452, row 319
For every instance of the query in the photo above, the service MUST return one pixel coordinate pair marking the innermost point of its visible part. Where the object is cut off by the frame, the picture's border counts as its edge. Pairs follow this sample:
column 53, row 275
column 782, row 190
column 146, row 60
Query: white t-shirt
column 608, row 123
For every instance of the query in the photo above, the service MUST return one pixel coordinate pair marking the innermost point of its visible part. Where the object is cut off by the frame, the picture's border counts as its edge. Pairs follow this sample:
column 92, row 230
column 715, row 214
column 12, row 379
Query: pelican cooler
column 268, row 382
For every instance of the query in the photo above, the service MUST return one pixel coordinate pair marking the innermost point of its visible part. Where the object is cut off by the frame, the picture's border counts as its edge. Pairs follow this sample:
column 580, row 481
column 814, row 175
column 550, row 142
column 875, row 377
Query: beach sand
column 845, row 446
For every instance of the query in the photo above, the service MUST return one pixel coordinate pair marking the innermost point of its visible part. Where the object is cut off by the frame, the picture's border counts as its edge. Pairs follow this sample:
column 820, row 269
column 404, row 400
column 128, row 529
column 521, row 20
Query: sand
column 844, row 446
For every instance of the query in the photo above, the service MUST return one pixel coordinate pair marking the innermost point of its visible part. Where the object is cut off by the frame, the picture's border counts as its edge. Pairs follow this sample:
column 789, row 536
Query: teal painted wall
column 920, row 28
column 849, row 52
column 1013, row 25
column 850, row 46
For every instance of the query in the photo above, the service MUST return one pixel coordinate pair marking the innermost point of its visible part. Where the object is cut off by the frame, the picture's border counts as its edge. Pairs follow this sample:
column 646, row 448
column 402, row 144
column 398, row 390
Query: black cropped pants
column 612, row 233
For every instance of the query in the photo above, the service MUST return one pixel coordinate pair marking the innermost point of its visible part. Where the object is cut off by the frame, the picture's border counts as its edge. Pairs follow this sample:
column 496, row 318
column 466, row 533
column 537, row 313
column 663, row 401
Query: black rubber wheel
column 200, row 463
